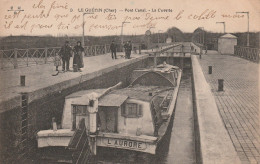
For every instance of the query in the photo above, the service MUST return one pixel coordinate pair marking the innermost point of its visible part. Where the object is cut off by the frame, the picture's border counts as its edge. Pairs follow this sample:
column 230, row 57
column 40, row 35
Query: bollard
column 140, row 49
column 200, row 56
column 220, row 84
column 22, row 80
column 210, row 69
column 54, row 124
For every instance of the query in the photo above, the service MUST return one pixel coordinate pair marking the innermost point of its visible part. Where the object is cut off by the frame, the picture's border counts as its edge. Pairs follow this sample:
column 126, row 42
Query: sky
column 65, row 17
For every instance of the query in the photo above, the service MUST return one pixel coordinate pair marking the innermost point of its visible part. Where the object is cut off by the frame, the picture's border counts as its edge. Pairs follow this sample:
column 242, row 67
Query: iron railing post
column 15, row 58
column 45, row 55
column 27, row 59
column 2, row 59
column 257, row 56
column 105, row 49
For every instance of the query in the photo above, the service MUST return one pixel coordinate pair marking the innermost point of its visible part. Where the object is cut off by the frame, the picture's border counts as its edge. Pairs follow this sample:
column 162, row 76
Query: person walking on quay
column 125, row 47
column 66, row 53
column 129, row 49
column 113, row 50
column 78, row 57
column 57, row 61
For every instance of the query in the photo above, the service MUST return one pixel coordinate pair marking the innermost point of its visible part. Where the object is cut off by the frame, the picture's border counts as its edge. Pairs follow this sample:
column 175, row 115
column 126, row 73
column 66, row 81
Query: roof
column 112, row 100
column 84, row 92
column 141, row 92
column 228, row 36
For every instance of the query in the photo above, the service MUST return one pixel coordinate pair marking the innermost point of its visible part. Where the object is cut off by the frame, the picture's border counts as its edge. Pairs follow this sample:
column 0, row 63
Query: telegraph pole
column 83, row 30
column 247, row 25
column 224, row 25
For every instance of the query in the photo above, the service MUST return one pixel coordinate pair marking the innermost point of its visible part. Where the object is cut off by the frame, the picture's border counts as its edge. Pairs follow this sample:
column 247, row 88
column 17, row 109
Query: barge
column 134, row 118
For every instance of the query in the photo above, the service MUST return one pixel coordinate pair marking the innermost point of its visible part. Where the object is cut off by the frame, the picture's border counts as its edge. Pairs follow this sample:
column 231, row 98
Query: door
column 108, row 119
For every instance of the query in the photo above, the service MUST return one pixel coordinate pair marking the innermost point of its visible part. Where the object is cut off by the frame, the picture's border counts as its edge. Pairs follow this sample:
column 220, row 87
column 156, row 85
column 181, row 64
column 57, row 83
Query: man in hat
column 129, row 49
column 66, row 53
column 113, row 50
column 125, row 47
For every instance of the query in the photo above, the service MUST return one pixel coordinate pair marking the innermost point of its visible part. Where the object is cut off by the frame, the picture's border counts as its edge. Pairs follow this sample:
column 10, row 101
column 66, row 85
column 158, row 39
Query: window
column 132, row 110
column 80, row 110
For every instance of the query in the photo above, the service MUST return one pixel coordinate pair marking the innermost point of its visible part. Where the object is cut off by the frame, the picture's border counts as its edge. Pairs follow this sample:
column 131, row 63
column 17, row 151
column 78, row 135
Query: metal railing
column 79, row 144
column 177, row 48
column 248, row 53
column 15, row 58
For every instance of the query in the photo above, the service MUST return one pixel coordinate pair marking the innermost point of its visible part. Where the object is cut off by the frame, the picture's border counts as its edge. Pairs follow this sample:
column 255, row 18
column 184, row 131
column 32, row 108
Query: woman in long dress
column 78, row 56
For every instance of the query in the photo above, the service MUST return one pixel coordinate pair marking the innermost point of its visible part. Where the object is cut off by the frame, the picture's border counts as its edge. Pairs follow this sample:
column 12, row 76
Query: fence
column 248, row 53
column 15, row 58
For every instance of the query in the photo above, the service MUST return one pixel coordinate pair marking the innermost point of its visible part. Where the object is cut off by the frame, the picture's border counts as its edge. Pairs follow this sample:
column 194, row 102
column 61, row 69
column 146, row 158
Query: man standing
column 65, row 55
column 125, row 47
column 113, row 50
column 129, row 49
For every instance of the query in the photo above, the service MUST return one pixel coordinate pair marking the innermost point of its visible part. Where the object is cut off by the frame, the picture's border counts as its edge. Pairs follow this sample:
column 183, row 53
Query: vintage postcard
column 129, row 81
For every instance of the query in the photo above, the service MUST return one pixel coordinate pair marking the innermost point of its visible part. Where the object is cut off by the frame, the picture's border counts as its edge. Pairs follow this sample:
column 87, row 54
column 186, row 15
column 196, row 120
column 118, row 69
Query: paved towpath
column 238, row 104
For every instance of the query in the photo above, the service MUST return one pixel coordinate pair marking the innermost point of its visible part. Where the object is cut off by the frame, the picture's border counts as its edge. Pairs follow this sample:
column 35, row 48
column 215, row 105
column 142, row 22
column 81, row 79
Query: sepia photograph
column 129, row 82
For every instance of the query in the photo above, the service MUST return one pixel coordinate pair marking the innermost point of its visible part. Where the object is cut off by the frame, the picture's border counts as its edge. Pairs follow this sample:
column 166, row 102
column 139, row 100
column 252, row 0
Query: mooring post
column 22, row 80
column 210, row 69
column 54, row 124
column 220, row 84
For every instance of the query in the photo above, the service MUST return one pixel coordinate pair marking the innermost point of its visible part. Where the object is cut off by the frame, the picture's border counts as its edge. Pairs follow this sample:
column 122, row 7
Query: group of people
column 66, row 53
column 127, row 46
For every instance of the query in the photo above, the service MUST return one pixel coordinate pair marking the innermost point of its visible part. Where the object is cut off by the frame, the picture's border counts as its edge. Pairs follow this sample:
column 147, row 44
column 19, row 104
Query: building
column 226, row 44
column 169, row 40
